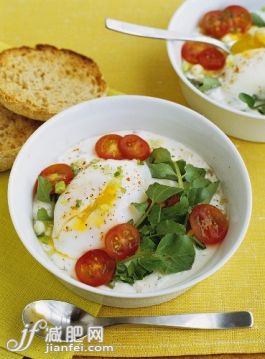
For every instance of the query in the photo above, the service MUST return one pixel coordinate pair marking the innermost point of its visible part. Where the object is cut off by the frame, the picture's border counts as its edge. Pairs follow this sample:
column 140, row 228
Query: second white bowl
column 233, row 122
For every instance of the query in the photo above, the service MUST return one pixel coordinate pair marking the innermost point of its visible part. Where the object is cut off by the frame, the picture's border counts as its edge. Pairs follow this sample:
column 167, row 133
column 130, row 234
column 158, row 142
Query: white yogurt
column 71, row 245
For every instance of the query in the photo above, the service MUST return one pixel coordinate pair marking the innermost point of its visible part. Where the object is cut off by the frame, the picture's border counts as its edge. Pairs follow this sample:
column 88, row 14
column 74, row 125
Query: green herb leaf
column 159, row 193
column 174, row 254
column 257, row 20
column 147, row 245
column 178, row 209
column 154, row 215
column 141, row 207
column 249, row 100
column 261, row 109
column 160, row 155
column 170, row 226
column 42, row 215
column 44, row 189
column 193, row 172
column 209, row 83
column 162, row 170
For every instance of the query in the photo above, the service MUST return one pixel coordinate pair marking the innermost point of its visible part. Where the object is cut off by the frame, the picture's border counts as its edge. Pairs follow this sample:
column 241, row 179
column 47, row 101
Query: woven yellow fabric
column 139, row 66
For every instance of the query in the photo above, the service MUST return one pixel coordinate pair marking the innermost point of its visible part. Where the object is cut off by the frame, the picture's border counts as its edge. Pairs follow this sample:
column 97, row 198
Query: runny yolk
column 96, row 212
column 247, row 42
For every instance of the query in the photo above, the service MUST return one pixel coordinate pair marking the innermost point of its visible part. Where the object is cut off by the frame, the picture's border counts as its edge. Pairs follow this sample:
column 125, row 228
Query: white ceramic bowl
column 233, row 122
column 112, row 114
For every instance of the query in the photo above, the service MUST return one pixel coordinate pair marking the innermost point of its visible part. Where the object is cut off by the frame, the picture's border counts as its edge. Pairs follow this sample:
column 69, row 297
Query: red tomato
column 134, row 147
column 208, row 223
column 95, row 268
column 56, row 173
column 107, row 147
column 211, row 59
column 190, row 51
column 215, row 24
column 238, row 17
column 172, row 200
column 122, row 241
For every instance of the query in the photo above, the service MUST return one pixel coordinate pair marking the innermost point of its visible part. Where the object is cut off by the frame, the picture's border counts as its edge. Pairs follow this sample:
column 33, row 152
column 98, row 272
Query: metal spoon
column 62, row 314
column 155, row 33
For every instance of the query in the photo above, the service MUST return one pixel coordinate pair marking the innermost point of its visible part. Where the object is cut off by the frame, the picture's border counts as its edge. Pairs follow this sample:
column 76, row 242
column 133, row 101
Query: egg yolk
column 248, row 42
column 97, row 211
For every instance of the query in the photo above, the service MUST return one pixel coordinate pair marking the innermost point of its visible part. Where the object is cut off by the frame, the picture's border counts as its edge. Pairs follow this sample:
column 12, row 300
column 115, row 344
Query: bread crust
column 14, row 131
column 30, row 79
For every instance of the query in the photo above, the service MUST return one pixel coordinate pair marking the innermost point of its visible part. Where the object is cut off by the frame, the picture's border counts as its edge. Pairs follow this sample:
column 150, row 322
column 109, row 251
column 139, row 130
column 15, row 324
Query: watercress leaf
column 181, row 165
column 160, row 155
column 249, row 100
column 257, row 20
column 175, row 253
column 193, row 172
column 200, row 182
column 147, row 245
column 178, row 209
column 209, row 83
column 42, row 215
column 178, row 253
column 145, row 230
column 44, row 189
column 141, row 207
column 155, row 214
column 207, row 193
column 151, row 263
column 170, row 226
column 159, row 193
column 162, row 170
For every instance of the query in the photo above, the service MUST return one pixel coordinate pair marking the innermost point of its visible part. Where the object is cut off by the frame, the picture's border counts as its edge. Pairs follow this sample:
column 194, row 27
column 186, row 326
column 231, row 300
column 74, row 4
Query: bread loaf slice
column 14, row 131
column 42, row 81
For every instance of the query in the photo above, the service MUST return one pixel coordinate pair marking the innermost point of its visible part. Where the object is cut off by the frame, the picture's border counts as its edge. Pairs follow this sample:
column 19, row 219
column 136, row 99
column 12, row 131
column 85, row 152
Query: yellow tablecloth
column 140, row 66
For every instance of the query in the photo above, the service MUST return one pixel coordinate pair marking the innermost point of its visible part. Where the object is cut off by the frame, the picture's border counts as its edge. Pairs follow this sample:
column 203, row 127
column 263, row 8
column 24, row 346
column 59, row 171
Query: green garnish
column 42, row 215
column 45, row 239
column 253, row 102
column 60, row 187
column 166, row 246
column 78, row 203
column 44, row 189
column 208, row 83
column 257, row 20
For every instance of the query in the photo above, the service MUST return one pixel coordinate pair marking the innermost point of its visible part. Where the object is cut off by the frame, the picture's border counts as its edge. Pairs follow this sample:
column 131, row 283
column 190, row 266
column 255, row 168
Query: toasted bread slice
column 42, row 81
column 14, row 131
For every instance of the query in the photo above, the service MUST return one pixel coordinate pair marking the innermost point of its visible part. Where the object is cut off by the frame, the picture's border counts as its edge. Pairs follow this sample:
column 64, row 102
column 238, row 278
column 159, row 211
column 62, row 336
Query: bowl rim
column 171, row 54
column 117, row 294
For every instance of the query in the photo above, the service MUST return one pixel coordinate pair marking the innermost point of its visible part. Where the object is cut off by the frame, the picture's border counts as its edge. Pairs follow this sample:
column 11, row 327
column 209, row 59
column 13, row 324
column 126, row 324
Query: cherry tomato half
column 122, row 241
column 239, row 18
column 211, row 59
column 215, row 23
column 134, row 147
column 190, row 51
column 107, row 147
column 208, row 223
column 56, row 173
column 95, row 268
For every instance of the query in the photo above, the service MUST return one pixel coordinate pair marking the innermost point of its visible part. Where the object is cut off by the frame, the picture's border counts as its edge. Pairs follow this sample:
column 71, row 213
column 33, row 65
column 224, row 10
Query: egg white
column 246, row 74
column 97, row 199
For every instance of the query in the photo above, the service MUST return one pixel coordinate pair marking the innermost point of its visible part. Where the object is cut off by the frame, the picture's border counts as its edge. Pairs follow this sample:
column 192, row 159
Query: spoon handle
column 152, row 32
column 193, row 321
